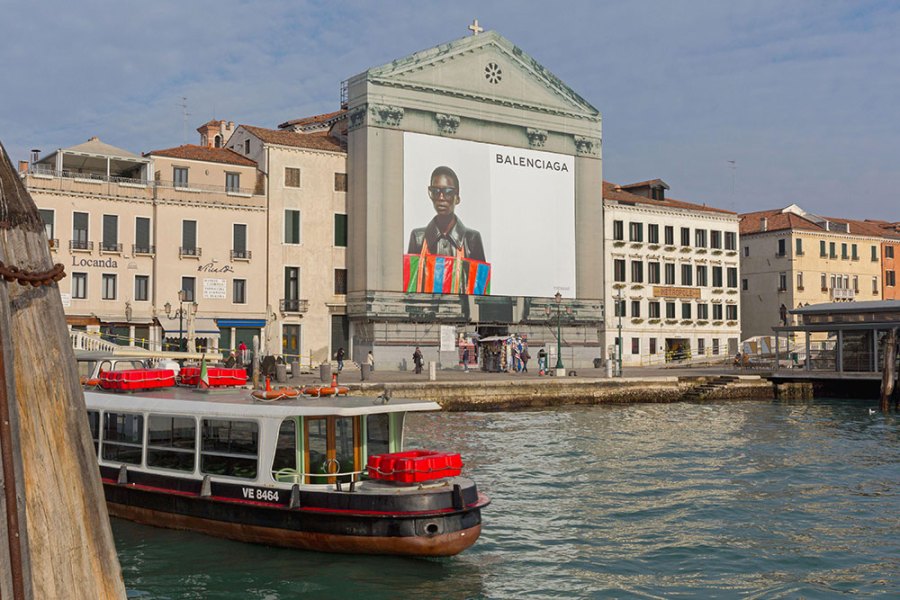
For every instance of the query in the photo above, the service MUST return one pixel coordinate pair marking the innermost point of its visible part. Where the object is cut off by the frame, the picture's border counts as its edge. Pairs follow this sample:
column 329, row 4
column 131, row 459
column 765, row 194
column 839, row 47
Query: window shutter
column 110, row 231
column 189, row 234
column 240, row 238
column 142, row 233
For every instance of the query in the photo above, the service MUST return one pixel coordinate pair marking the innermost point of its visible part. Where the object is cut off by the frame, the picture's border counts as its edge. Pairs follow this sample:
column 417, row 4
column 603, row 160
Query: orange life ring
column 89, row 382
column 311, row 391
column 284, row 392
column 342, row 390
column 327, row 391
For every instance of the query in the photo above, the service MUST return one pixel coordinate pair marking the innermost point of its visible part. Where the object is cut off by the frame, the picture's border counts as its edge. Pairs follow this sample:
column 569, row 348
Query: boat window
column 286, row 448
column 332, row 447
column 171, row 442
column 344, row 447
column 229, row 448
column 378, row 434
column 317, row 445
column 94, row 423
column 123, row 435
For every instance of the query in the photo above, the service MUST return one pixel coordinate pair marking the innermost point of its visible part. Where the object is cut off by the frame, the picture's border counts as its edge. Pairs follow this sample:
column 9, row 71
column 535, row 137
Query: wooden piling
column 888, row 372
column 65, row 546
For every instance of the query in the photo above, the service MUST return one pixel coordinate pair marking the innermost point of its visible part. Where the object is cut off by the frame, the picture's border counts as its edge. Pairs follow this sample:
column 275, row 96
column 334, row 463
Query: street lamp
column 558, row 299
column 619, row 311
column 182, row 296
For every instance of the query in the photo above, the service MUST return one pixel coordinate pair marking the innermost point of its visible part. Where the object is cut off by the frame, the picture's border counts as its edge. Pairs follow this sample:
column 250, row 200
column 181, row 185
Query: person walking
column 340, row 359
column 525, row 356
column 371, row 360
column 466, row 360
column 242, row 353
column 417, row 360
column 542, row 361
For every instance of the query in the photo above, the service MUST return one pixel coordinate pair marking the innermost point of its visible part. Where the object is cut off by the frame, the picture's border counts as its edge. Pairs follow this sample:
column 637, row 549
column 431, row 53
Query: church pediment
column 488, row 68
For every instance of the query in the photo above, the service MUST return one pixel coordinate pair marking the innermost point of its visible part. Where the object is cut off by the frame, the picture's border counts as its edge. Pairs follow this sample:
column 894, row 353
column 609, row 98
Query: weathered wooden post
column 57, row 538
column 888, row 374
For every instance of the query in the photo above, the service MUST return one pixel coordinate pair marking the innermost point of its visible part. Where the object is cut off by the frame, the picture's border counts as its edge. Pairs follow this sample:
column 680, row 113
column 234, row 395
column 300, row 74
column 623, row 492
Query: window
column 745, row 284
column 618, row 230
column 110, row 241
column 652, row 345
column 233, row 182
column 79, row 286
column 856, row 283
column 229, row 447
column 686, row 275
column 635, row 308
column 746, row 251
column 715, row 346
column 669, row 232
column 340, row 281
column 637, row 271
column 189, row 238
column 291, row 177
column 653, row 272
column 874, row 285
column 286, row 447
column 142, row 235
column 889, row 252
column 715, row 239
column 80, row 231
column 854, row 253
column 239, row 241
column 290, row 340
column 653, row 233
column 180, row 177
column 636, row 232
column 731, row 312
column 653, row 310
column 798, row 246
column 701, row 275
column 171, row 442
column 703, row 312
column 730, row 240
column 717, row 276
column 874, row 253
column 782, row 245
column 685, row 236
column 824, row 282
column 701, row 343
column 378, row 434
column 340, row 182
column 619, row 269
column 700, row 238
column 822, row 252
column 670, row 310
column 685, row 310
column 239, row 291
column 340, row 230
column 670, row 273
column 889, row 278
column 123, row 437
column 844, row 253
column 247, row 146
column 732, row 277
column 619, row 308
column 292, row 283
column 141, row 288
column 635, row 345
column 800, row 281
column 782, row 281
column 109, row 286
column 832, row 250
column 47, row 217
column 717, row 312
column 291, row 226
column 188, row 285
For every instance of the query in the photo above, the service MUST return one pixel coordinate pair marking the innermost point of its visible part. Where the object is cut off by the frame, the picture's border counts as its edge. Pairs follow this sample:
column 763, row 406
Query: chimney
column 35, row 155
column 23, row 166
column 763, row 224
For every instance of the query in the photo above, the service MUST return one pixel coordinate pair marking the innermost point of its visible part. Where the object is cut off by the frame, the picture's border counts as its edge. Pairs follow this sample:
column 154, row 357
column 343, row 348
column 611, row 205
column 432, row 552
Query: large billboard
column 486, row 219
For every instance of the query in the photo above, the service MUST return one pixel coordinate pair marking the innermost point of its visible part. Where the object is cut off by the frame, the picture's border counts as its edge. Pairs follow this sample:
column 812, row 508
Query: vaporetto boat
column 322, row 474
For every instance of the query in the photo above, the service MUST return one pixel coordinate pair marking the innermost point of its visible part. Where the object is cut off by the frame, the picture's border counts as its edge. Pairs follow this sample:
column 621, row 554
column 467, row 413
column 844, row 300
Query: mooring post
column 888, row 373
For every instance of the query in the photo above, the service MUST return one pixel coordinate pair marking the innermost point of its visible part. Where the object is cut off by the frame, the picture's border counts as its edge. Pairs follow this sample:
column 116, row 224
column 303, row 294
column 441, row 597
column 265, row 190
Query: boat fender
column 295, row 496
column 206, row 487
column 457, row 497
column 123, row 475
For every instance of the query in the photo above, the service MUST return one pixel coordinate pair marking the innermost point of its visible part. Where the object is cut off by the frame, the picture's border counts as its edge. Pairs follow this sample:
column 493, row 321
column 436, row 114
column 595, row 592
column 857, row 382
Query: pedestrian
column 525, row 357
column 371, row 360
column 542, row 361
column 466, row 359
column 340, row 359
column 242, row 353
column 417, row 360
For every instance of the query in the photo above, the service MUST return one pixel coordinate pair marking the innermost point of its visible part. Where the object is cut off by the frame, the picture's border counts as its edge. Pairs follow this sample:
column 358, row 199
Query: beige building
column 792, row 258
column 672, row 276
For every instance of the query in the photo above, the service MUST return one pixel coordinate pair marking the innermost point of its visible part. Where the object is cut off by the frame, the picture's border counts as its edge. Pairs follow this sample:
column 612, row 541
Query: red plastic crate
column 414, row 466
column 137, row 379
column 218, row 376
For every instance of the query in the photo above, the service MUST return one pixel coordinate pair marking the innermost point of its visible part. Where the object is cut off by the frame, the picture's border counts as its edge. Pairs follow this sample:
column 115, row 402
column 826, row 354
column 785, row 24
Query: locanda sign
column 107, row 263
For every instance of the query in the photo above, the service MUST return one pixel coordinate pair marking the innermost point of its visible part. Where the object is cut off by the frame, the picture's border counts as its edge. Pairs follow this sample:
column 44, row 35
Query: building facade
column 672, row 277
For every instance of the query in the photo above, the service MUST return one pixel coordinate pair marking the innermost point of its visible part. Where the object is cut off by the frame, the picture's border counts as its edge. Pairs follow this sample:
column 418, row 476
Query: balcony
column 190, row 252
column 81, row 246
column 842, row 294
column 294, row 305
column 142, row 249
column 241, row 254
column 110, row 248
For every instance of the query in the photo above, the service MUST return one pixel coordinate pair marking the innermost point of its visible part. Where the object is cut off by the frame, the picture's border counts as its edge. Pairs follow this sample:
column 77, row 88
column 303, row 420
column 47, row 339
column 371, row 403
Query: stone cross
column 474, row 27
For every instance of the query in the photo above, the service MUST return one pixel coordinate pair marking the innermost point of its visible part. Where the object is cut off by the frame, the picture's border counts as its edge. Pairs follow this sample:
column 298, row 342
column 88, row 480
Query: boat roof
column 126, row 352
column 232, row 403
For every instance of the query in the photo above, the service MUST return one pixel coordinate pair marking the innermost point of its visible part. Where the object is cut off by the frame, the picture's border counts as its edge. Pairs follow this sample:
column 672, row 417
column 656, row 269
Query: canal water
column 755, row 499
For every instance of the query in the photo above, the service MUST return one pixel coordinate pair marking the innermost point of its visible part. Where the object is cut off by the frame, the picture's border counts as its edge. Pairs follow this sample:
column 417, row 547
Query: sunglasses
column 435, row 191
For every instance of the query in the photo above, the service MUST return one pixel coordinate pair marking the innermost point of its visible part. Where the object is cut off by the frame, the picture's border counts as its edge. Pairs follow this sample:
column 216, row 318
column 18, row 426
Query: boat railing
column 289, row 475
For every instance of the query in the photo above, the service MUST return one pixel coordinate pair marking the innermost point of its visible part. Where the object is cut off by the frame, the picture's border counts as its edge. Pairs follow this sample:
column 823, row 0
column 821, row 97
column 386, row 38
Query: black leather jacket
column 459, row 236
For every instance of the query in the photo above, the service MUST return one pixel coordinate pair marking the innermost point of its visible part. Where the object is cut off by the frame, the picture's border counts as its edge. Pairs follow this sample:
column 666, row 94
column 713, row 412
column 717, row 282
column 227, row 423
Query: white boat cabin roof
column 239, row 403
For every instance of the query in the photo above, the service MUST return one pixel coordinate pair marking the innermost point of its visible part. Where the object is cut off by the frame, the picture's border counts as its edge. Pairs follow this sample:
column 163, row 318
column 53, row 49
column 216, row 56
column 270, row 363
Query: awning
column 203, row 327
column 256, row 323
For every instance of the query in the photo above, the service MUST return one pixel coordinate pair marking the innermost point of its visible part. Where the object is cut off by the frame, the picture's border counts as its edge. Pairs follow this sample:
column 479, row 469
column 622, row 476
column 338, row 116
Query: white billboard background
column 526, row 215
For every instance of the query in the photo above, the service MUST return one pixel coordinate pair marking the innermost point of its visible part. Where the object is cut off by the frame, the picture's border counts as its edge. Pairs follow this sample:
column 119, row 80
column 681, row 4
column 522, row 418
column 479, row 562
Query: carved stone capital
column 587, row 146
column 448, row 124
column 358, row 117
column 389, row 116
column 536, row 137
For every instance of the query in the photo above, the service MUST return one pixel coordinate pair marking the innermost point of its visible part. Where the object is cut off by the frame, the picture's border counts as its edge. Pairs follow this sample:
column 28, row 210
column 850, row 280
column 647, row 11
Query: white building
column 672, row 273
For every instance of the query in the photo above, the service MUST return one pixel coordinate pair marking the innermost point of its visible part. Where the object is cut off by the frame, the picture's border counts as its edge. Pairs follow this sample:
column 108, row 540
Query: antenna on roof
column 184, row 115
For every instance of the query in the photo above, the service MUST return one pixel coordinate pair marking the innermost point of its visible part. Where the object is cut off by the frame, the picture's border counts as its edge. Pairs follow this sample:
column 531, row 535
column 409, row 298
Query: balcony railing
column 201, row 187
column 294, row 305
column 241, row 254
column 105, row 247
column 40, row 170
column 143, row 249
column 842, row 294
column 82, row 245
column 182, row 251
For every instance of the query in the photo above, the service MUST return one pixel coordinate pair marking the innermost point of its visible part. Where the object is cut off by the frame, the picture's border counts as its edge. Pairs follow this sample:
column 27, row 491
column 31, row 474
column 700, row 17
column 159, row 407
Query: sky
column 742, row 104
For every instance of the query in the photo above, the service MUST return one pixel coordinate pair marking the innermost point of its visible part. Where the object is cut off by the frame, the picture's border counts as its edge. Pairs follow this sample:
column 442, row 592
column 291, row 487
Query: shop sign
column 675, row 292
column 214, row 289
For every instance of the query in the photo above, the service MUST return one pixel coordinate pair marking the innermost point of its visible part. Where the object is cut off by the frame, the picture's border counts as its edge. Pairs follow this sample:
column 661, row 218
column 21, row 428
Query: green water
column 755, row 499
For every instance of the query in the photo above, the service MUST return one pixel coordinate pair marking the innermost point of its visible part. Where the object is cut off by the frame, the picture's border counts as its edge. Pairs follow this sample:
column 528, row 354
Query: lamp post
column 180, row 314
column 619, row 311
column 558, row 299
